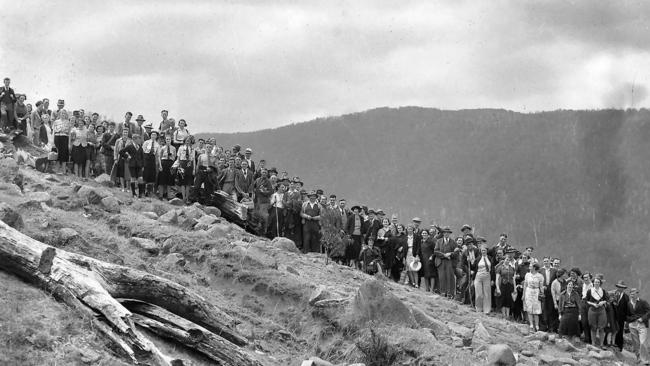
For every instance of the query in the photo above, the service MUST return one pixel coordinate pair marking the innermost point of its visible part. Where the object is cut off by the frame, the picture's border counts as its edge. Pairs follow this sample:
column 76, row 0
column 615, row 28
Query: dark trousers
column 311, row 237
column 200, row 179
column 618, row 340
column 549, row 312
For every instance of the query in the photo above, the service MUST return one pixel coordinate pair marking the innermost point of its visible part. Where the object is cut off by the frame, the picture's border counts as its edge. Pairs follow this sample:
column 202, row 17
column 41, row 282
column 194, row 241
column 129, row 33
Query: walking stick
column 469, row 283
column 277, row 223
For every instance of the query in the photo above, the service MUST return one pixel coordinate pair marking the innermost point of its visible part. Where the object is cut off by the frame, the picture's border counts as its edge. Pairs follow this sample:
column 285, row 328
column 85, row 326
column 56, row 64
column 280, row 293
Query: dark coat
column 553, row 276
column 244, row 184
column 442, row 249
column 417, row 241
column 350, row 227
column 136, row 155
column 372, row 228
column 621, row 308
column 641, row 310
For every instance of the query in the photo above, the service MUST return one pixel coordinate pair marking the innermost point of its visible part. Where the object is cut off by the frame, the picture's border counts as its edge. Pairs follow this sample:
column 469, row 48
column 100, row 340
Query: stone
column 551, row 337
column 147, row 245
column 40, row 197
column 219, row 230
column 104, row 179
column 176, row 202
column 111, row 204
column 541, row 336
column 480, row 335
column 188, row 223
column 67, row 234
column 10, row 216
column 205, row 221
column 460, row 330
column 89, row 356
column 546, row 359
column 169, row 218
column 284, row 243
column 527, row 353
column 375, row 303
column 535, row 344
column 567, row 361
column 192, row 212
column 320, row 293
column 293, row 270
column 438, row 327
column 90, row 195
column 457, row 342
column 500, row 355
column 564, row 345
column 174, row 259
column 150, row 215
column 602, row 355
column 211, row 210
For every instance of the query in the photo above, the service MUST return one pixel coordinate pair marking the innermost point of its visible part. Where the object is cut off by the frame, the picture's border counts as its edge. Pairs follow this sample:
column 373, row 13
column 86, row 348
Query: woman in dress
column 383, row 234
column 355, row 229
column 596, row 300
column 79, row 142
column 584, row 309
column 151, row 151
column 166, row 158
column 21, row 116
column 180, row 134
column 132, row 152
column 533, row 285
column 428, row 246
column 98, row 164
column 91, row 148
column 483, row 281
column 61, row 129
column 569, row 310
column 412, row 249
column 394, row 253
column 185, row 157
column 121, row 167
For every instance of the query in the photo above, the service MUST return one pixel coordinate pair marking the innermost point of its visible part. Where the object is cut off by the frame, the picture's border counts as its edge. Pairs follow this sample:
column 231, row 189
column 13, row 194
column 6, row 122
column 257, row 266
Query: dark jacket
column 8, row 97
column 621, row 307
column 136, row 155
column 350, row 226
column 372, row 228
column 641, row 310
column 442, row 249
column 263, row 190
column 417, row 241
column 244, row 184
column 108, row 142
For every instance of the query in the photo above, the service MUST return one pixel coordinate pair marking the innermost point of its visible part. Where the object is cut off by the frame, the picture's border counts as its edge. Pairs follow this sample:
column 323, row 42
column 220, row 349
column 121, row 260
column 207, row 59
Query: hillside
column 288, row 306
column 571, row 183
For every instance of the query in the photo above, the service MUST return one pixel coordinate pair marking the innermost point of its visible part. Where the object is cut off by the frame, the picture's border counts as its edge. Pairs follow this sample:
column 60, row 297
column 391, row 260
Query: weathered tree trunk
column 91, row 286
column 168, row 325
column 235, row 212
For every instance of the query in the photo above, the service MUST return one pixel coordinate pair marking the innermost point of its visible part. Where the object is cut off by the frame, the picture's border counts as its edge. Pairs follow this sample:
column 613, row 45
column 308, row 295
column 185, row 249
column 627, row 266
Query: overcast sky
column 230, row 66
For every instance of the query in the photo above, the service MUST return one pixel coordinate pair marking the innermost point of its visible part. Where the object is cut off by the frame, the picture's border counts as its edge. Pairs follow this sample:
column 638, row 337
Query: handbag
column 53, row 155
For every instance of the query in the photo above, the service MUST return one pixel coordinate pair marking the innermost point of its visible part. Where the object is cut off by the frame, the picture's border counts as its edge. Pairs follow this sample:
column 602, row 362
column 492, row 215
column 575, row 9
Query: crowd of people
column 167, row 161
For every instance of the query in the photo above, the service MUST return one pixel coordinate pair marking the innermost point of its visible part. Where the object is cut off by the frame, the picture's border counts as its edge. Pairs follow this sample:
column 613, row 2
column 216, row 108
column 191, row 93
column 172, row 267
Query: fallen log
column 91, row 286
column 235, row 212
column 168, row 325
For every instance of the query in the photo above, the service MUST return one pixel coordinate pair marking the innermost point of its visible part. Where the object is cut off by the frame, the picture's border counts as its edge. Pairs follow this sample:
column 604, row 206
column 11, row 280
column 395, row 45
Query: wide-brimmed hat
column 380, row 211
column 466, row 227
column 148, row 125
column 357, row 207
column 371, row 211
column 480, row 239
column 140, row 118
column 621, row 284
column 447, row 229
column 511, row 250
column 417, row 219
column 312, row 193
column 415, row 266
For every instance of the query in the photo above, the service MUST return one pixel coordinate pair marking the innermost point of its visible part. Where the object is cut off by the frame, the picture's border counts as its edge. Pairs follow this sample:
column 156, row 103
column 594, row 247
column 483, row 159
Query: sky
column 228, row 66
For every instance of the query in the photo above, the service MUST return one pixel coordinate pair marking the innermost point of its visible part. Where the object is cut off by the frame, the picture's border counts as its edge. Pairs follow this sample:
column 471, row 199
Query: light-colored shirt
column 167, row 153
column 276, row 200
column 150, row 145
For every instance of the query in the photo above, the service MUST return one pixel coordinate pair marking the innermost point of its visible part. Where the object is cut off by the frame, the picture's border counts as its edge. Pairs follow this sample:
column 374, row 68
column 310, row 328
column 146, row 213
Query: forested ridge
column 574, row 184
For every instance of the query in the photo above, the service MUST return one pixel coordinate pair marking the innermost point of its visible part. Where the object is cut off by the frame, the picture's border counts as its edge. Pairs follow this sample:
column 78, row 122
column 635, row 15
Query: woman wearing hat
column 533, row 285
column 569, row 310
column 395, row 253
column 412, row 250
column 356, row 228
column 427, row 248
column 185, row 159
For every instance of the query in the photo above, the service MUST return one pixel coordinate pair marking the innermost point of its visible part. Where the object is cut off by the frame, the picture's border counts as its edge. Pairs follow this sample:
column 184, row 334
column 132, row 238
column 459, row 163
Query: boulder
column 147, row 245
column 320, row 293
column 602, row 355
column 192, row 212
column 293, row 270
column 105, row 180
column 170, row 217
column 188, row 223
column 567, row 361
column 89, row 194
column 284, row 243
column 40, row 197
column 10, row 216
column 373, row 302
column 438, row 327
column 500, row 355
column 546, row 359
column 535, row 344
column 174, row 259
column 480, row 335
column 176, row 202
column 150, row 215
column 527, row 353
column 111, row 204
column 219, row 230
column 539, row 335
column 460, row 330
column 211, row 210
column 564, row 345
column 205, row 221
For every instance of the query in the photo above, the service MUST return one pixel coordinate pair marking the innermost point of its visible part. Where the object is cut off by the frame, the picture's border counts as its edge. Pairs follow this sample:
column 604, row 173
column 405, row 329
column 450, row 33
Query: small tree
column 331, row 235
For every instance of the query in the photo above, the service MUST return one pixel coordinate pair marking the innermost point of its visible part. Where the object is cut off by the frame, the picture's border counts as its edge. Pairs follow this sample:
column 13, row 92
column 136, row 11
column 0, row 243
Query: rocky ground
column 291, row 306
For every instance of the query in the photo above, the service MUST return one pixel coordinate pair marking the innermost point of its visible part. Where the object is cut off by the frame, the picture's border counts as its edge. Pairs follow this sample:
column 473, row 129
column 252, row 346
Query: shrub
column 376, row 350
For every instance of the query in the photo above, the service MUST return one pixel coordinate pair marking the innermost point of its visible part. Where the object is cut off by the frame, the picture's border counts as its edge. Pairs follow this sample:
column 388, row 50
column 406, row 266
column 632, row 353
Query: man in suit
column 444, row 250
column 621, row 312
column 549, row 311
column 310, row 214
column 373, row 225
column 7, row 103
column 244, row 181
column 639, row 312
column 344, row 213
column 502, row 244
column 247, row 157
column 417, row 230
column 468, row 259
column 292, row 200
column 127, row 124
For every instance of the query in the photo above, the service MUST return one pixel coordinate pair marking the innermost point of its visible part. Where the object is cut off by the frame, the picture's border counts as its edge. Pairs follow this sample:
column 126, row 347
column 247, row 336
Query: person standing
column 505, row 282
column 411, row 249
column 244, row 182
column 427, row 248
column 21, row 118
column 263, row 191
column 293, row 205
column 548, row 307
column 276, row 222
column 107, row 145
column 126, row 125
column 356, row 227
column 639, row 312
column 166, row 126
column 79, row 142
column 533, row 286
column 310, row 214
column 445, row 249
column 483, row 281
column 37, row 122
column 185, row 158
column 166, row 158
column 180, row 134
column 569, row 311
column 132, row 152
column 596, row 300
column 122, row 166
column 621, row 311
column 247, row 157
column 7, row 103
column 151, row 151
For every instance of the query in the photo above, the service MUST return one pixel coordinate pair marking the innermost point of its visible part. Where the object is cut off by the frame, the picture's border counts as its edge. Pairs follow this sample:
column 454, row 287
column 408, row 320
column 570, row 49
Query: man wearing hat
column 444, row 250
column 148, row 127
column 59, row 105
column 247, row 157
column 417, row 230
column 355, row 228
column 310, row 214
column 263, row 192
column 373, row 225
column 638, row 321
column 621, row 311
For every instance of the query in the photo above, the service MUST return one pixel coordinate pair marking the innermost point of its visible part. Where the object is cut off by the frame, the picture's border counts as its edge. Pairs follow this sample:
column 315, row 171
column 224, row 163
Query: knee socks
column 141, row 189
column 133, row 188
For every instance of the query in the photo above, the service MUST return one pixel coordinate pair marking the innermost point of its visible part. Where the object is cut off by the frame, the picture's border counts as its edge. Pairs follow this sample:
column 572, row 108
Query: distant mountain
column 571, row 183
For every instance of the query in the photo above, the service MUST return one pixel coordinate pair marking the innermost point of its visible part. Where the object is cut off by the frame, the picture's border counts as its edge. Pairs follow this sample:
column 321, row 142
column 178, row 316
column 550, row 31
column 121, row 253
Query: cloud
column 232, row 66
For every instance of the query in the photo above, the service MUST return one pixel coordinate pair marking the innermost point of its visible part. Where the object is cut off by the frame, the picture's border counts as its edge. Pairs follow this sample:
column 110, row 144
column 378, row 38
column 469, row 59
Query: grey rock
column 147, row 245
column 564, row 345
column 460, row 330
column 320, row 293
column 104, row 179
column 67, row 233
column 174, row 259
column 40, row 197
column 425, row 320
column 170, row 217
column 192, row 212
column 111, row 204
column 150, row 215
column 527, row 353
column 205, row 221
column 176, row 202
column 219, row 230
column 500, row 355
column 211, row 210
column 480, row 335
column 10, row 216
column 90, row 194
column 188, row 223
column 284, row 243
column 293, row 270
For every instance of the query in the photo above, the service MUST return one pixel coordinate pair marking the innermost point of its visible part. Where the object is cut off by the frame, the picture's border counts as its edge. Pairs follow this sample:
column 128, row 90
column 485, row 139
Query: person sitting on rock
column 370, row 257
